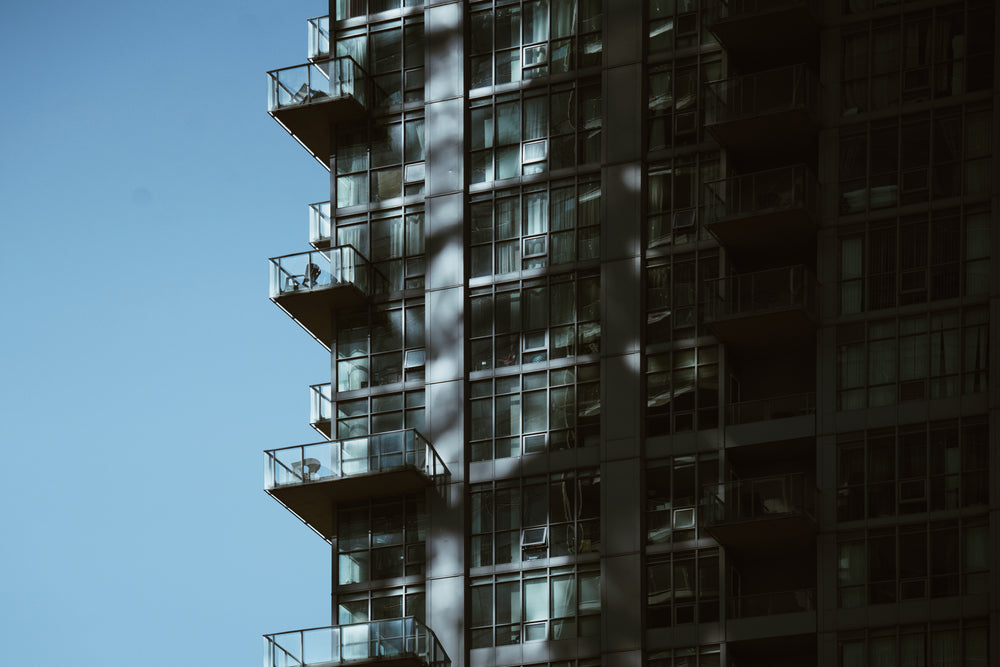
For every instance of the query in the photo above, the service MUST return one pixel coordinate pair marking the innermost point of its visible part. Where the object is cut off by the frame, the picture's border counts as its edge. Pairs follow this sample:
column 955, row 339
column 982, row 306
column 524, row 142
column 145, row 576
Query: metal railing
column 771, row 91
column 761, row 192
column 319, row 37
column 775, row 407
column 320, row 222
column 370, row 641
column 734, row 9
column 316, row 82
column 320, row 403
column 746, row 294
column 321, row 269
column 758, row 498
column 323, row 461
column 777, row 602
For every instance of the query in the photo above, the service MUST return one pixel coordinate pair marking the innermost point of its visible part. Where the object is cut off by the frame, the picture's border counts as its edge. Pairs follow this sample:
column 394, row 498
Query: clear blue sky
column 142, row 188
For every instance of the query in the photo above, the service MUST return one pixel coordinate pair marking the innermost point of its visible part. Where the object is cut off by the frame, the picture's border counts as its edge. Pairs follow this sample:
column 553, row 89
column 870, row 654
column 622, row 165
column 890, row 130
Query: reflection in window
column 535, row 412
column 380, row 162
column 381, row 345
column 509, row 127
column 514, row 40
column 676, row 291
column 678, row 24
column 536, row 226
column 673, row 495
column 914, row 469
column 535, row 605
column 536, row 517
column 378, row 605
column 393, row 240
column 392, row 53
column 380, row 414
column 676, row 104
column 535, row 321
column 702, row 656
column 674, row 198
column 957, row 644
column 381, row 540
column 682, row 390
column 682, row 587
column 933, row 355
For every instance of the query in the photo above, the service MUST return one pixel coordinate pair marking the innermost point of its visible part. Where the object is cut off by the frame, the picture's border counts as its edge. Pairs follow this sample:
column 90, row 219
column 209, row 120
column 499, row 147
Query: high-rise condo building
column 659, row 333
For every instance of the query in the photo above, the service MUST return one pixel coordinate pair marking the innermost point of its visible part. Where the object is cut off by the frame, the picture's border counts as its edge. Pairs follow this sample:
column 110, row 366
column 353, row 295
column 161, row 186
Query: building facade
column 659, row 332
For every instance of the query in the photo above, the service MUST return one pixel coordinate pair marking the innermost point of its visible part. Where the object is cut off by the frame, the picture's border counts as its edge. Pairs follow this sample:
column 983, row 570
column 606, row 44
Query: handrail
column 368, row 641
column 319, row 36
column 758, row 498
column 748, row 194
column 321, row 402
column 317, row 81
column 321, row 269
column 773, row 407
column 773, row 602
column 761, row 291
column 771, row 91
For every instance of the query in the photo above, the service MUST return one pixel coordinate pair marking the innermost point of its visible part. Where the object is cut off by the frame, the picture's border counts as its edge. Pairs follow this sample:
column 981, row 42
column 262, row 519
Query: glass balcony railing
column 759, row 193
column 771, row 603
column 321, row 405
column 325, row 461
column 749, row 294
column 323, row 269
column 315, row 82
column 382, row 641
column 775, row 407
column 737, row 9
column 319, row 38
column 320, row 223
column 792, row 88
column 759, row 499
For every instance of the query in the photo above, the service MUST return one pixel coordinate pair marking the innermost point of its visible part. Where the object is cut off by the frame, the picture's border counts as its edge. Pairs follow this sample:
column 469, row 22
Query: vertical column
column 445, row 298
column 621, row 318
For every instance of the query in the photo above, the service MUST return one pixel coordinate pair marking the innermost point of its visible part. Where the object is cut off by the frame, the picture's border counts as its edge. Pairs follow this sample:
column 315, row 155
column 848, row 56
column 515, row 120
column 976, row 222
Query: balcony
column 320, row 225
column 774, row 407
column 775, row 307
column 762, row 513
column 321, row 408
column 772, row 603
column 308, row 99
column 766, row 214
column 399, row 642
column 319, row 38
column 771, row 114
column 765, row 30
column 311, row 479
column 309, row 286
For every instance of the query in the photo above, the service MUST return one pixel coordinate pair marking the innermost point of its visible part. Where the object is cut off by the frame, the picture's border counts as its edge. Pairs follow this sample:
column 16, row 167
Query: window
column 535, row 321
column 932, row 355
column 674, row 198
column 682, row 390
column 380, row 414
column 378, row 605
column 676, row 291
column 535, row 412
column 915, row 259
column 682, row 587
column 917, row 56
column 350, row 8
column 514, row 40
column 673, row 493
column 381, row 345
column 676, row 100
column 912, row 562
column 381, row 540
column 506, row 128
column 554, row 603
column 392, row 53
column 380, row 162
column 678, row 24
column 535, row 227
column 393, row 240
column 957, row 644
column 915, row 158
column 701, row 656
column 536, row 517
column 913, row 469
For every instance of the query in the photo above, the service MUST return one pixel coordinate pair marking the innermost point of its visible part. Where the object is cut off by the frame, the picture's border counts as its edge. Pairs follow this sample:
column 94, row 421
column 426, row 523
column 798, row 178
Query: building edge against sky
column 659, row 332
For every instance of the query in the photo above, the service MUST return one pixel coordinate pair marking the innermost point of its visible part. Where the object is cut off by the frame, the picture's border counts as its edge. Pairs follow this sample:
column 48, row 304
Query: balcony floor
column 311, row 123
column 313, row 309
column 315, row 502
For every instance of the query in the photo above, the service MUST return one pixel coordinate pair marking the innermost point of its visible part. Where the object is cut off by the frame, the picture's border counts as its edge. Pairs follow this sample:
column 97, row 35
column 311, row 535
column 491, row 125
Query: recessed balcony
column 765, row 215
column 319, row 38
column 398, row 642
column 766, row 29
column 772, row 603
column 309, row 286
column 321, row 408
column 309, row 99
column 762, row 513
column 765, row 308
column 771, row 114
column 311, row 479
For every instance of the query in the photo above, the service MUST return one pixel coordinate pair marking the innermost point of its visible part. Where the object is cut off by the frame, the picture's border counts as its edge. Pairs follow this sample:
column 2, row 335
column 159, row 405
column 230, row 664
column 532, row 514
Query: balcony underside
column 785, row 134
column 324, row 426
column 313, row 309
column 783, row 533
column 768, row 235
column 780, row 633
column 311, row 123
column 790, row 327
column 381, row 661
column 768, row 35
column 315, row 502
